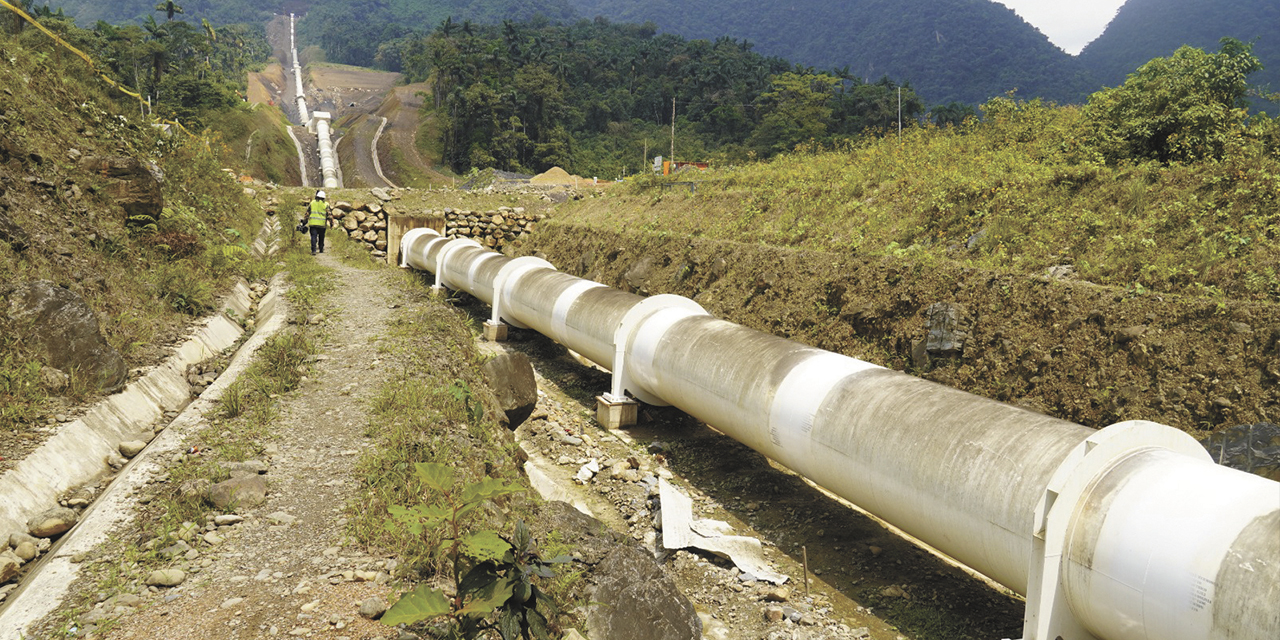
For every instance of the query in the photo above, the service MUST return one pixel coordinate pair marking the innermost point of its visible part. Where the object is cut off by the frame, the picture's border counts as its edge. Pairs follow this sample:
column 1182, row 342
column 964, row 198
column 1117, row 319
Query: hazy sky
column 1070, row 24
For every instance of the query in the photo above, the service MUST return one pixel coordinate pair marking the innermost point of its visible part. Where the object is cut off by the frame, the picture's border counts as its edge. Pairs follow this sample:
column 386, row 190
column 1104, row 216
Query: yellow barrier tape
column 56, row 38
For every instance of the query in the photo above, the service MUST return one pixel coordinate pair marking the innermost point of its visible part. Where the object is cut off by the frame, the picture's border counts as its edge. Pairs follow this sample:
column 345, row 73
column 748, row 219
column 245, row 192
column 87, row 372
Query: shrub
column 1188, row 106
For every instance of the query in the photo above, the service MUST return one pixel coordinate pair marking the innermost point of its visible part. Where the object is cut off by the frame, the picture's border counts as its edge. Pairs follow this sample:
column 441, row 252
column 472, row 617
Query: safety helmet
column 320, row 195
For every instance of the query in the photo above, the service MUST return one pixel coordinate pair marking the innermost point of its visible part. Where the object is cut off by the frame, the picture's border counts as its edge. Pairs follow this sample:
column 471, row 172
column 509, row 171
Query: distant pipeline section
column 1130, row 532
column 317, row 123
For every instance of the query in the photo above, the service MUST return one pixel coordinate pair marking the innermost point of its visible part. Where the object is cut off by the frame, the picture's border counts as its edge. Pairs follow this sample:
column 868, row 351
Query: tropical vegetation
column 1163, row 184
column 594, row 96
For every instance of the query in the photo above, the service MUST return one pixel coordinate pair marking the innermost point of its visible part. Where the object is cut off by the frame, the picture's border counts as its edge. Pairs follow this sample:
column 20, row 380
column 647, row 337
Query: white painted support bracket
column 1048, row 615
column 438, row 287
column 505, row 281
column 636, row 338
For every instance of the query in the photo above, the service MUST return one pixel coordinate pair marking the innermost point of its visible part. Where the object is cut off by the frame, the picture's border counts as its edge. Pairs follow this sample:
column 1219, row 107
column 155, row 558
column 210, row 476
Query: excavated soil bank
column 1074, row 350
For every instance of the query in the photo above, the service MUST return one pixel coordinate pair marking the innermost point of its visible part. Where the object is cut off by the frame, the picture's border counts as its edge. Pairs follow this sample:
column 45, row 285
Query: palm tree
column 156, row 47
column 18, row 23
column 169, row 7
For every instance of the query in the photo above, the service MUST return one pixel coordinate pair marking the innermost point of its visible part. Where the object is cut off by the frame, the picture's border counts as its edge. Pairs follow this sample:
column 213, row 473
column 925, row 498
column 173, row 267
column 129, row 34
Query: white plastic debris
column 680, row 531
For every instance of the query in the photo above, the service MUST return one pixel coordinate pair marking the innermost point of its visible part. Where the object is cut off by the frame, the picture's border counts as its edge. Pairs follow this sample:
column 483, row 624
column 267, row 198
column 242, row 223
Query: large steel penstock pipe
column 1129, row 532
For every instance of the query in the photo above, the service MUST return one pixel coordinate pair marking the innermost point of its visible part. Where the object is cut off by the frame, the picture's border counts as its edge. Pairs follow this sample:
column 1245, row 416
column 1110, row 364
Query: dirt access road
column 289, row 569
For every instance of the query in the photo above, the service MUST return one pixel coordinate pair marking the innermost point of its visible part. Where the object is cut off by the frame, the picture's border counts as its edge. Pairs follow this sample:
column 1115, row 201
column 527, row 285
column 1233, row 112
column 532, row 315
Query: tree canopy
column 1184, row 107
column 586, row 96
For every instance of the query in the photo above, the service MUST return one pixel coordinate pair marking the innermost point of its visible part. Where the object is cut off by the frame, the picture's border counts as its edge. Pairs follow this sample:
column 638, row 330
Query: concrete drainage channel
column 82, row 452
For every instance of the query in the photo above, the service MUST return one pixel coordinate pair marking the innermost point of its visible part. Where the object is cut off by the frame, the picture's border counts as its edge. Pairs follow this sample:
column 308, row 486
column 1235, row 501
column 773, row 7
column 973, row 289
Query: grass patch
column 256, row 143
column 144, row 278
column 1014, row 193
column 22, row 392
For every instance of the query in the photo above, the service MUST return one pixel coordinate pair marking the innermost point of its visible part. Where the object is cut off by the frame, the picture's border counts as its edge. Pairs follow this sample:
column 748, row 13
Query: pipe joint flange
column 505, row 281
column 564, row 303
column 637, row 337
column 475, row 267
column 453, row 245
column 1049, row 613
column 406, row 243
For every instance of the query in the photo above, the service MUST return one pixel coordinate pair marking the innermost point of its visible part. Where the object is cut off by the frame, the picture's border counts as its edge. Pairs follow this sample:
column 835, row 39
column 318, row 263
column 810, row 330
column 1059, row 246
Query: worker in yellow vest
column 318, row 221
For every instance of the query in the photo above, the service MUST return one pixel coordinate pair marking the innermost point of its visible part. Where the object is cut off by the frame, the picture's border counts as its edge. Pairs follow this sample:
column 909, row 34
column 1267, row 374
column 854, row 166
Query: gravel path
column 287, row 569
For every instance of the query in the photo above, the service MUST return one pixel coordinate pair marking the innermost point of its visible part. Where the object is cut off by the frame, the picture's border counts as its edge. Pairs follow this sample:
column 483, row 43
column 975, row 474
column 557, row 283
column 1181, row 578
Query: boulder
column 634, row 599
column 373, row 608
column 239, row 493
column 195, row 489
column 949, row 325
column 17, row 538
column 10, row 565
column 381, row 194
column 134, row 185
column 638, row 601
column 638, row 274
column 26, row 551
column 510, row 375
column 132, row 448
column 166, row 578
column 51, row 522
column 68, row 337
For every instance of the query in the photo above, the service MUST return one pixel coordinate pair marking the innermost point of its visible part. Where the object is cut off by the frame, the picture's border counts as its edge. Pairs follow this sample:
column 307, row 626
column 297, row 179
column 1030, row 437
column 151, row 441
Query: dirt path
column 357, row 154
column 287, row 569
column 402, row 110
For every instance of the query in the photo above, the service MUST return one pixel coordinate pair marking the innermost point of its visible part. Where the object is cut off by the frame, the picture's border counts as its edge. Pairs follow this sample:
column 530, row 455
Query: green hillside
column 1146, row 29
column 962, row 50
column 89, row 12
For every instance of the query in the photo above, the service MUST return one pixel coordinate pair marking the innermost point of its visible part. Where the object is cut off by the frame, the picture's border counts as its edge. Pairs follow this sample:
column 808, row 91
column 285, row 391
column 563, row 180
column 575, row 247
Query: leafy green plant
column 461, row 392
column 494, row 578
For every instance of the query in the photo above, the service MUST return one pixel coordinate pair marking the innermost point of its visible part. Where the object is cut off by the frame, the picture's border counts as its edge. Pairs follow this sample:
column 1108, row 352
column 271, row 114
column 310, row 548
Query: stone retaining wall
column 493, row 229
column 365, row 223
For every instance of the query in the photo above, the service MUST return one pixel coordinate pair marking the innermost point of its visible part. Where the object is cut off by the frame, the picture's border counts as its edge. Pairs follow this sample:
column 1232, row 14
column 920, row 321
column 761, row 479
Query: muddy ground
column 1090, row 354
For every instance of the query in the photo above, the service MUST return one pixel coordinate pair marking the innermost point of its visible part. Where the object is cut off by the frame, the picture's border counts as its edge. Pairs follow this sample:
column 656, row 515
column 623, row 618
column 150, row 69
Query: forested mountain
column 1146, row 29
column 119, row 12
column 590, row 96
column 963, row 50
column 350, row 31
column 331, row 20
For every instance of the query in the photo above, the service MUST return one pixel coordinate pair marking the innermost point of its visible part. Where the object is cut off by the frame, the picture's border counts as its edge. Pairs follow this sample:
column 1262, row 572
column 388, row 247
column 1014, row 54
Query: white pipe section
column 299, row 94
column 328, row 166
column 1127, row 533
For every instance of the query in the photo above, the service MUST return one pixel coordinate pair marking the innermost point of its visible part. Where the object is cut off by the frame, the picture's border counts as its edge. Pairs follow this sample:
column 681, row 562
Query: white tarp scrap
column 680, row 531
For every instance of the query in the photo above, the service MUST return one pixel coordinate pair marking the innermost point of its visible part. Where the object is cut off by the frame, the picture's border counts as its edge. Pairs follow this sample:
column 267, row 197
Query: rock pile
column 202, row 374
column 365, row 223
column 493, row 229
